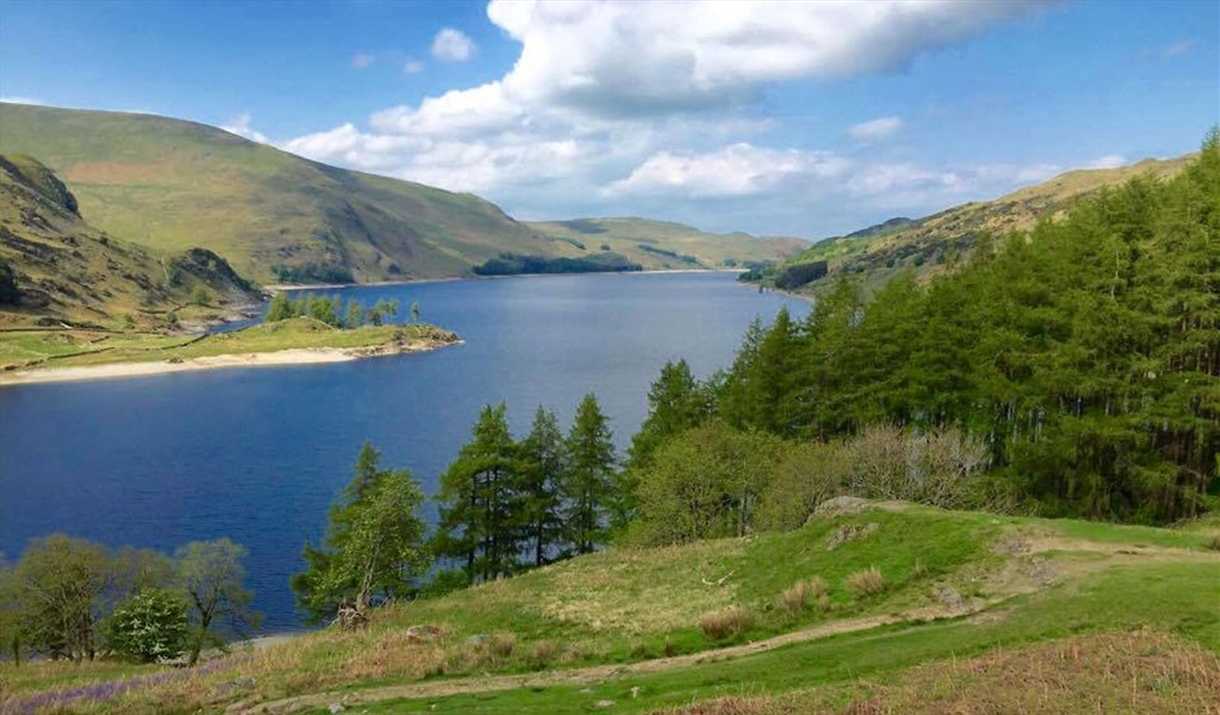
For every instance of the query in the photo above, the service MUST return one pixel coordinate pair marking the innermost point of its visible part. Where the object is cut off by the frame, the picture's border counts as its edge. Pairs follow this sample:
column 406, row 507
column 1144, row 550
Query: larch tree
column 589, row 476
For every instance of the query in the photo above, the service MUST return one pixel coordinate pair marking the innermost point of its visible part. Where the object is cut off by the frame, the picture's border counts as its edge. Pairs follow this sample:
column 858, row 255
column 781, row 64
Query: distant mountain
column 63, row 269
column 170, row 184
column 930, row 243
column 664, row 244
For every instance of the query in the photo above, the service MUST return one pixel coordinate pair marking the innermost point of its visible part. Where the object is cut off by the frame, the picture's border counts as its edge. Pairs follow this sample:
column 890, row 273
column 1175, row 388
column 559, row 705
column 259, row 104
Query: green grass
column 56, row 349
column 630, row 606
column 1114, row 601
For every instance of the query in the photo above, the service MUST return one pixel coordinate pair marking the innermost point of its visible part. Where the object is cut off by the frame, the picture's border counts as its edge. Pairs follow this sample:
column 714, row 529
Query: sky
column 777, row 118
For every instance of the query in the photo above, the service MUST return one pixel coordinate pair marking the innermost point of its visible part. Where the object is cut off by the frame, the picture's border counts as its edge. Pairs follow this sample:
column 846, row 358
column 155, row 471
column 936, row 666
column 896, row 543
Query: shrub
column 942, row 468
column 544, row 653
column 731, row 622
column 502, row 644
column 867, row 582
column 797, row 597
column 149, row 626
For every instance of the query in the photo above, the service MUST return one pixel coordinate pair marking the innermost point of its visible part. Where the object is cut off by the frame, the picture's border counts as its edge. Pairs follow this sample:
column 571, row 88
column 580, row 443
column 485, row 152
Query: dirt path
column 592, row 674
column 1007, row 586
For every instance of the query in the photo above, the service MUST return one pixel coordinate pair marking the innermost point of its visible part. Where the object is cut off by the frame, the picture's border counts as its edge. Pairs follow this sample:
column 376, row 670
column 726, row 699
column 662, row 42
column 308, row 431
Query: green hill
column 929, row 244
column 663, row 244
column 636, row 630
column 65, row 270
column 171, row 185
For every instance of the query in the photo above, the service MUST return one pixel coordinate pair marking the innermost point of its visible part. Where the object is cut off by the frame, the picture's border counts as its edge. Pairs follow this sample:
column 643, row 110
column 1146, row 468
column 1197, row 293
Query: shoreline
column 276, row 358
column 285, row 287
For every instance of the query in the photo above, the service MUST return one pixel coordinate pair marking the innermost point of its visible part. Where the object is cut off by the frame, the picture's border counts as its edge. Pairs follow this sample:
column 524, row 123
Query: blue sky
column 776, row 118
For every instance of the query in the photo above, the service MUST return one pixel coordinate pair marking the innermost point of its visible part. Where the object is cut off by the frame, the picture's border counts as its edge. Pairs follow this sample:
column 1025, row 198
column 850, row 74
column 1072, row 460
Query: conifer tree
column 589, row 477
column 540, row 474
column 480, row 506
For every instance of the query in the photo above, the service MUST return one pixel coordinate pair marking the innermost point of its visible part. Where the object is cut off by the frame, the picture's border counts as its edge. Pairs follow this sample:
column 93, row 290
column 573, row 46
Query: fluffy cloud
column 656, row 56
column 1109, row 161
column 875, row 129
column 736, row 170
column 452, row 45
column 612, row 104
column 241, row 126
column 361, row 60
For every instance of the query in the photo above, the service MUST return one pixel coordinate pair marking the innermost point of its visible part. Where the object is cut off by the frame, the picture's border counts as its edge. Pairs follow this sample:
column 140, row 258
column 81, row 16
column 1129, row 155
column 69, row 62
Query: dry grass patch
column 868, row 582
column 797, row 597
column 731, row 622
column 1117, row 674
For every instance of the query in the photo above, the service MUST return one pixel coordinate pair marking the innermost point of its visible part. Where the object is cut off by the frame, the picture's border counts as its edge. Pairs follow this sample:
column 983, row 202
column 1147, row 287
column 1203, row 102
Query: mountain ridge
column 931, row 243
column 170, row 184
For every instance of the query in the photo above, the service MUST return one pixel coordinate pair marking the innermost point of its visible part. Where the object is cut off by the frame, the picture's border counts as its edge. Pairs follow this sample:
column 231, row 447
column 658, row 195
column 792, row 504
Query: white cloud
column 1109, row 161
column 612, row 104
column 876, row 129
column 735, row 170
column 656, row 56
column 361, row 60
column 452, row 45
column 241, row 127
column 23, row 100
column 412, row 66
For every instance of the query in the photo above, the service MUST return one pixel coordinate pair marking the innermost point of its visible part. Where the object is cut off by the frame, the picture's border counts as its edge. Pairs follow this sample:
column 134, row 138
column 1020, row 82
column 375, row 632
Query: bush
column 502, row 644
column 731, row 622
column 868, row 582
column 796, row 598
column 544, row 653
column 150, row 626
column 942, row 468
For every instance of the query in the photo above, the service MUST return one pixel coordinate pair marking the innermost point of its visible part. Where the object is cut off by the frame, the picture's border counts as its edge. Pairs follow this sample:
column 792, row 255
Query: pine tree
column 589, row 477
column 480, row 507
column 540, row 473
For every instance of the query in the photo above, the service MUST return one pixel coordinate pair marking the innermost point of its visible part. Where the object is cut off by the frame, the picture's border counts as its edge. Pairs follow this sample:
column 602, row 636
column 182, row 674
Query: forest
column 1070, row 371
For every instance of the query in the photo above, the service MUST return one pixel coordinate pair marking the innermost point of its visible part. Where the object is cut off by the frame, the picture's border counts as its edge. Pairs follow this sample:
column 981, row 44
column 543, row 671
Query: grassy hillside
column 928, row 244
column 67, row 271
column 640, row 630
column 662, row 244
column 171, row 185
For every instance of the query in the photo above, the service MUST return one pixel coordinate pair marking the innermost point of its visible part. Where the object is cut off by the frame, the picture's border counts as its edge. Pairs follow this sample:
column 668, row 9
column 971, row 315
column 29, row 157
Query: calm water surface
column 258, row 454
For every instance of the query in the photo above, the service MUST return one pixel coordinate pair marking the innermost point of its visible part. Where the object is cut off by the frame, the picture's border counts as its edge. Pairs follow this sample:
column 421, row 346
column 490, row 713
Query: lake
column 258, row 454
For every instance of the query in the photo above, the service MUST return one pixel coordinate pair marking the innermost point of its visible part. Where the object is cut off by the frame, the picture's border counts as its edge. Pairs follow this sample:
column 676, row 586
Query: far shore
column 276, row 287
column 278, row 358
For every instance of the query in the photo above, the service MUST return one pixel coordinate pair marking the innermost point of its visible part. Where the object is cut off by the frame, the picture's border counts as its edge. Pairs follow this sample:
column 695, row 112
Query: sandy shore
column 296, row 356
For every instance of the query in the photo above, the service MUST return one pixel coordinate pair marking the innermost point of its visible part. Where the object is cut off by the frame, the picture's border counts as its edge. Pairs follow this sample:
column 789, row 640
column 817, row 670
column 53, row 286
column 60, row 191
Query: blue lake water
column 258, row 454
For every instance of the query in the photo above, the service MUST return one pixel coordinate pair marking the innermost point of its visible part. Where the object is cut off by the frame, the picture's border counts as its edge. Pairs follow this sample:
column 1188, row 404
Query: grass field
column 32, row 349
column 961, row 593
